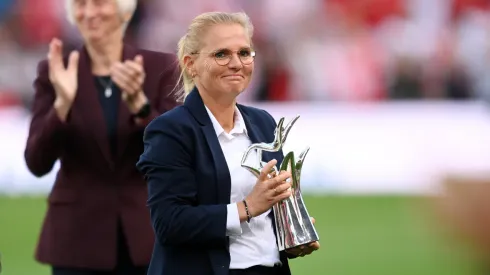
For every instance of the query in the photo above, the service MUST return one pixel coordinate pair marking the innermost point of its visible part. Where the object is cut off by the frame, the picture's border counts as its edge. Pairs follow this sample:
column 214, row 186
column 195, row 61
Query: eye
column 245, row 53
column 221, row 54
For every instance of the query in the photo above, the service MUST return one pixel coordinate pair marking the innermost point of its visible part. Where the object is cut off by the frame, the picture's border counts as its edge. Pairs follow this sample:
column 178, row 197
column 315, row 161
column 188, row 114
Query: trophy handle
column 254, row 171
column 288, row 164
column 274, row 146
column 299, row 164
column 287, row 129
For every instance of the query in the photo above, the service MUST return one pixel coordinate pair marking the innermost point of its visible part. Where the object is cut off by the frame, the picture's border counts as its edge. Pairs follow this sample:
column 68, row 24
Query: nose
column 235, row 62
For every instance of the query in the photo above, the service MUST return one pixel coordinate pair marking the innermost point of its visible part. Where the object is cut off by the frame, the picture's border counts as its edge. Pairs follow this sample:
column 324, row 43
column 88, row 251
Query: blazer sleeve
column 165, row 100
column 167, row 164
column 46, row 131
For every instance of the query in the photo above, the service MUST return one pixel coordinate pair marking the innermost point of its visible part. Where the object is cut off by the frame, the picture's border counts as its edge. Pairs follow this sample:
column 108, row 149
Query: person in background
column 210, row 215
column 89, row 112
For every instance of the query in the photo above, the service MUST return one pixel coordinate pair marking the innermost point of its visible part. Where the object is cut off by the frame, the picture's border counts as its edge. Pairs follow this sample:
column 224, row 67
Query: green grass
column 359, row 235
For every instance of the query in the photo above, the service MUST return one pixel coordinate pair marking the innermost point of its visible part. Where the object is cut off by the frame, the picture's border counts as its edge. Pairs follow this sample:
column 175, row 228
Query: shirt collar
column 239, row 122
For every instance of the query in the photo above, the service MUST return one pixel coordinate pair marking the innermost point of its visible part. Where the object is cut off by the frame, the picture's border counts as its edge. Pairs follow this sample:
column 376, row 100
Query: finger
column 312, row 220
column 308, row 249
column 295, row 251
column 122, row 68
column 273, row 172
column 279, row 179
column 139, row 59
column 267, row 168
column 73, row 61
column 136, row 71
column 129, row 73
column 282, row 188
column 123, row 81
column 133, row 68
column 58, row 50
column 314, row 245
column 51, row 63
column 282, row 196
column 55, row 58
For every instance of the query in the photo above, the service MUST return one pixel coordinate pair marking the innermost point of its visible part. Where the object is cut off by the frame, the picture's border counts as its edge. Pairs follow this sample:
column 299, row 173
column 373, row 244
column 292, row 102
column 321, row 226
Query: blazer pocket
column 62, row 196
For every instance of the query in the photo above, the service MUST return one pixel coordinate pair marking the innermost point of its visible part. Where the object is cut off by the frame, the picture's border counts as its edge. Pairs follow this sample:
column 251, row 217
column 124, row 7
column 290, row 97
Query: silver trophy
column 293, row 224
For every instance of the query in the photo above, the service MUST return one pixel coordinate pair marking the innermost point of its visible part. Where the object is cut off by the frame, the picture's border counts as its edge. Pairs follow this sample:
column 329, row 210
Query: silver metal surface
column 293, row 224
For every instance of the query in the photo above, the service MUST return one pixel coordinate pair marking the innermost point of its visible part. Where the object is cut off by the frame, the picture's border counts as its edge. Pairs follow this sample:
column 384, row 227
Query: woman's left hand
column 130, row 76
column 306, row 249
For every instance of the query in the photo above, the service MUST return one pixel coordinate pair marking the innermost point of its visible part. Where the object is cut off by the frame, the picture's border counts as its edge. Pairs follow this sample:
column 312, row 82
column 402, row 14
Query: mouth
column 234, row 76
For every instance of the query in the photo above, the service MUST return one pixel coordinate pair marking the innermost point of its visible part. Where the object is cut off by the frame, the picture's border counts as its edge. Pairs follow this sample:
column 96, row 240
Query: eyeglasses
column 224, row 56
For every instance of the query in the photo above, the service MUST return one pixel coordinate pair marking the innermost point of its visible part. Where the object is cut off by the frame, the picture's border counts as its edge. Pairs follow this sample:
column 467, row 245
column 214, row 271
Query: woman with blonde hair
column 210, row 215
column 90, row 110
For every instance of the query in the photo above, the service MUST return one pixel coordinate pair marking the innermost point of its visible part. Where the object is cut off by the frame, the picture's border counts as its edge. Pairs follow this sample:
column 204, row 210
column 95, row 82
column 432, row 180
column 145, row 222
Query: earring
column 193, row 74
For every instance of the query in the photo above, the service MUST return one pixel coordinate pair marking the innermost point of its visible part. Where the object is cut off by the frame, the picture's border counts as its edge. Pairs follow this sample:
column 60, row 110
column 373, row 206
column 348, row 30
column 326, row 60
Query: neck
column 102, row 56
column 222, row 109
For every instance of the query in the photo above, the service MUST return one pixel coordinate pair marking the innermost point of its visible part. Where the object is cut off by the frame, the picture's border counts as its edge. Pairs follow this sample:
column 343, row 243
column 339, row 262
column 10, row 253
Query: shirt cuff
column 233, row 227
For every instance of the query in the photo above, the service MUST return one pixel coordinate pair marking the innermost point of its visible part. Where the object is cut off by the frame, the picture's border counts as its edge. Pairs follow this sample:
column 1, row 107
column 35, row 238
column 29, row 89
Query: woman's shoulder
column 256, row 114
column 175, row 125
column 177, row 118
column 158, row 57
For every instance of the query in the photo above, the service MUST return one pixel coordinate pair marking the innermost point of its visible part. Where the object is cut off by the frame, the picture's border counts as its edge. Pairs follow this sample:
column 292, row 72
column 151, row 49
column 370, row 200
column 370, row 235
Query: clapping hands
column 130, row 77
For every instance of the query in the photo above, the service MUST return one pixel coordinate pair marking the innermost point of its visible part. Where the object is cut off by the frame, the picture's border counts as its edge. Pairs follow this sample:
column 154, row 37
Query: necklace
column 108, row 87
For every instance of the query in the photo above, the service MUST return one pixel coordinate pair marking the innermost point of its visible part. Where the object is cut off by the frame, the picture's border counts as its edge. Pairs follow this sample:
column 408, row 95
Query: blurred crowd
column 314, row 50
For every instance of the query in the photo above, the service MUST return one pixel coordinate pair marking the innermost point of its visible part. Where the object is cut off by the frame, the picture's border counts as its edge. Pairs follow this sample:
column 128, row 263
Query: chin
column 235, row 91
column 237, row 88
column 93, row 36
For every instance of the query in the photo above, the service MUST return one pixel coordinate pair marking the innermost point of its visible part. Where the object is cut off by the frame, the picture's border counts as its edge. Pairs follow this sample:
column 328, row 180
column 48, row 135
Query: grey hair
column 191, row 41
column 125, row 6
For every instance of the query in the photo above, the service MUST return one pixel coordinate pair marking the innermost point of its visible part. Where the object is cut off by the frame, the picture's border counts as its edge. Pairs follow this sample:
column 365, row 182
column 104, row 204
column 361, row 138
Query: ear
column 126, row 17
column 189, row 63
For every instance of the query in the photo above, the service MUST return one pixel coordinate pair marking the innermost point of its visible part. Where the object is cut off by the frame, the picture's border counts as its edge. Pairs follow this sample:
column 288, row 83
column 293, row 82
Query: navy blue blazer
column 189, row 187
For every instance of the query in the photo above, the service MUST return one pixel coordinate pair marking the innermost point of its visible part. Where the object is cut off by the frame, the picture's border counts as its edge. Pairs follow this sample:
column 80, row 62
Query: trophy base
column 294, row 226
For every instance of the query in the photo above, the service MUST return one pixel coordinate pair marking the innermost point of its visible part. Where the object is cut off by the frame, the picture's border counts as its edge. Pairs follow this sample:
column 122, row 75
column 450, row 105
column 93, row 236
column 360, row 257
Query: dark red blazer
column 92, row 188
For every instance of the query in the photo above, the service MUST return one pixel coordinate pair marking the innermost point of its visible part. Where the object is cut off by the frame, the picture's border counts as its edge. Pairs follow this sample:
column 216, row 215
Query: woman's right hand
column 268, row 190
column 64, row 80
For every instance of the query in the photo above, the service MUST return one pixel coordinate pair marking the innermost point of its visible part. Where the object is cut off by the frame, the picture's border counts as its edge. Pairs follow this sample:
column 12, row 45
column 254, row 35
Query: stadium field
column 368, row 235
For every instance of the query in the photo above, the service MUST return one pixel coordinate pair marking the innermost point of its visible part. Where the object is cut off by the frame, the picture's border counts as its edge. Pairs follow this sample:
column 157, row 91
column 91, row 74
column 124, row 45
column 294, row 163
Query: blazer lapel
column 257, row 135
column 195, row 105
column 124, row 116
column 87, row 95
column 254, row 132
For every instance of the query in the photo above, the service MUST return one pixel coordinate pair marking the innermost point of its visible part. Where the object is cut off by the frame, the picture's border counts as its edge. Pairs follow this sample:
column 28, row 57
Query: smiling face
column 224, row 65
column 98, row 19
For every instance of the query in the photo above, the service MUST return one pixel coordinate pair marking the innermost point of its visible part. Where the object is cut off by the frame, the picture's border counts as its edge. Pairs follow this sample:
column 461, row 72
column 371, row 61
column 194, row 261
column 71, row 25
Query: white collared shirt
column 251, row 243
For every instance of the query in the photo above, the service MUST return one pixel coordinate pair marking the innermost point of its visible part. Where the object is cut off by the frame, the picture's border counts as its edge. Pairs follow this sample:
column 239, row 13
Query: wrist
column 244, row 211
column 137, row 102
column 247, row 211
column 62, row 108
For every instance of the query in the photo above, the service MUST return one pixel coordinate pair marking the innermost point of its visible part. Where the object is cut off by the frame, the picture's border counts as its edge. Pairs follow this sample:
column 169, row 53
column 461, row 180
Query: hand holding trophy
column 295, row 232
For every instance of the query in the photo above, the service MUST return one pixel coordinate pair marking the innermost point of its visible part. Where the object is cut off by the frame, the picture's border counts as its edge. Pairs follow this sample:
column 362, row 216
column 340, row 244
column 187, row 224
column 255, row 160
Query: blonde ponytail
column 184, row 78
